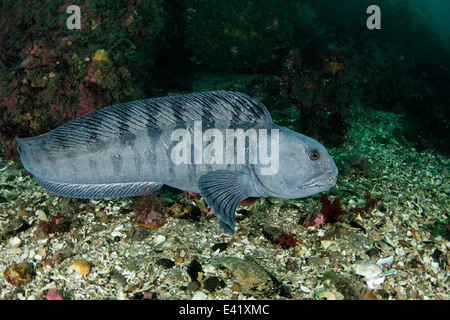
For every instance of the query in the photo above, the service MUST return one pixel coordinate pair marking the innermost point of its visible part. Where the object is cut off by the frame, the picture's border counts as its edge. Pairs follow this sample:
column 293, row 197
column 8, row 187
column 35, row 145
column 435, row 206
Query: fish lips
column 321, row 183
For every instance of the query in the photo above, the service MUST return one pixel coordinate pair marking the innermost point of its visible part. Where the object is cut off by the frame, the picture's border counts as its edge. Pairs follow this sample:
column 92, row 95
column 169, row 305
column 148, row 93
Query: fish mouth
column 321, row 185
column 322, row 182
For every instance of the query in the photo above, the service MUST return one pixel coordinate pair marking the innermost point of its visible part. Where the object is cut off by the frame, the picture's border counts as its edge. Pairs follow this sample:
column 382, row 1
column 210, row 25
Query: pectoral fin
column 223, row 190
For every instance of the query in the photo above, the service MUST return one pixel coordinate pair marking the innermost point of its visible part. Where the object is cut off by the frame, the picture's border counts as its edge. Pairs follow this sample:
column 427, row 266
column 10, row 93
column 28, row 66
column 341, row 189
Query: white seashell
column 41, row 215
column 159, row 239
column 325, row 295
column 200, row 296
column 305, row 289
column 367, row 269
column 389, row 260
column 374, row 282
column 14, row 242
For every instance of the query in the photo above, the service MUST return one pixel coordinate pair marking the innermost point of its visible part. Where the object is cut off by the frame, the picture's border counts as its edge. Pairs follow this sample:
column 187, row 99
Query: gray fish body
column 190, row 142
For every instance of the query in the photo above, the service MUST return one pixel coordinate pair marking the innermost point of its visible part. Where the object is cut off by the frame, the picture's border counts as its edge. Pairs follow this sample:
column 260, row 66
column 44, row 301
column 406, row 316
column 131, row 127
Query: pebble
column 18, row 274
column 382, row 245
column 367, row 268
column 179, row 260
column 305, row 289
column 165, row 263
column 24, row 213
column 317, row 260
column 272, row 233
column 159, row 239
column 213, row 284
column 194, row 269
column 325, row 295
column 222, row 246
column 247, row 202
column 13, row 251
column 81, row 267
column 275, row 200
column 41, row 215
column 193, row 286
column 236, row 287
column 291, row 264
column 200, row 295
column 14, row 242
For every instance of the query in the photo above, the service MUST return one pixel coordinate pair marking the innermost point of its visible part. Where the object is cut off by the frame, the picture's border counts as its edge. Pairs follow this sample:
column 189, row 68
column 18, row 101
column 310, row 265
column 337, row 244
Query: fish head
column 305, row 167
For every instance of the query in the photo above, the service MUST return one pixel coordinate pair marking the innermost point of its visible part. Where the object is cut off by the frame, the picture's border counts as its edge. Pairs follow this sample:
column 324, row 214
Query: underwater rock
column 194, row 270
column 250, row 276
column 193, row 286
column 213, row 284
column 340, row 285
column 185, row 211
column 148, row 212
column 165, row 263
column 59, row 223
column 54, row 294
column 222, row 246
column 18, row 274
column 272, row 233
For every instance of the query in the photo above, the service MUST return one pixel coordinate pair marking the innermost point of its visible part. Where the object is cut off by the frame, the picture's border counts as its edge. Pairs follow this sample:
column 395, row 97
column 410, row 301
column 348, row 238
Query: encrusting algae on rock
column 18, row 274
column 249, row 275
column 100, row 55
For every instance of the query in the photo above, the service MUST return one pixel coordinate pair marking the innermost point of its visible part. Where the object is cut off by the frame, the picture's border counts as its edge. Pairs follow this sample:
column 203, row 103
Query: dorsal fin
column 154, row 113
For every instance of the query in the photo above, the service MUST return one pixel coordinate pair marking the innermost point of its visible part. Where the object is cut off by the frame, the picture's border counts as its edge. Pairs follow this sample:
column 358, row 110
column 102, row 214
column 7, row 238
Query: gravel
column 399, row 249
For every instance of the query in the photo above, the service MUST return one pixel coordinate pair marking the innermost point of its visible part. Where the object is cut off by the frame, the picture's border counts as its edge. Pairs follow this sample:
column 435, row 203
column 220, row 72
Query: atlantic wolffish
column 221, row 144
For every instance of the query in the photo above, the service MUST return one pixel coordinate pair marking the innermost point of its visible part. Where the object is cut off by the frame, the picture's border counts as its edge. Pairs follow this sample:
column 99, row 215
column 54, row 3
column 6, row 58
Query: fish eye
column 314, row 155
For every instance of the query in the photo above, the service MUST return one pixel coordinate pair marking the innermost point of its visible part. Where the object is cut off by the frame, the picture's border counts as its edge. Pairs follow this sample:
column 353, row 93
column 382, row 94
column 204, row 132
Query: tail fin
column 24, row 152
